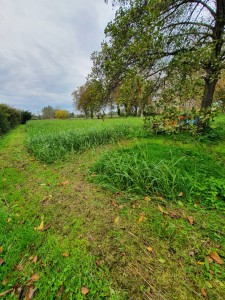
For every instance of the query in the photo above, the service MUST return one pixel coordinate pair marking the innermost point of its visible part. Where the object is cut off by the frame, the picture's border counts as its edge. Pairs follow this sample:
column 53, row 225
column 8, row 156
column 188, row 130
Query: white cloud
column 46, row 47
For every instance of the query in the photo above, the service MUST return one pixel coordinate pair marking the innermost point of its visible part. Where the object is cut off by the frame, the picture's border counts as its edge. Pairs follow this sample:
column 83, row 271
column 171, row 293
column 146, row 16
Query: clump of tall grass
column 158, row 170
column 51, row 146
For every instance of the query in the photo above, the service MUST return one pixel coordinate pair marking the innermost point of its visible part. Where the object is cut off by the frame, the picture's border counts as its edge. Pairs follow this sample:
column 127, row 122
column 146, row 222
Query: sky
column 45, row 49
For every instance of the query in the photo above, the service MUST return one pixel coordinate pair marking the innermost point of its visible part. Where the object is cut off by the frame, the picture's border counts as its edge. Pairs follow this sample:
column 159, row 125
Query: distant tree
column 48, row 112
column 62, row 114
column 89, row 98
column 25, row 116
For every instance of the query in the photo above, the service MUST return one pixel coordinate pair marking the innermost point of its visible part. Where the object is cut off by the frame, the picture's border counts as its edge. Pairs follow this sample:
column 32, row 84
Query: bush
column 25, row 116
column 9, row 118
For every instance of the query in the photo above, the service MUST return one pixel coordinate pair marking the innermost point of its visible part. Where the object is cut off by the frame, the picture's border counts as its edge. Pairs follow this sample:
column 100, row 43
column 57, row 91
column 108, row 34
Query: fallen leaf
column 203, row 292
column 30, row 293
column 40, row 227
column 141, row 218
column 99, row 262
column 147, row 199
column 19, row 267
column 180, row 194
column 4, row 282
column 1, row 249
column 65, row 254
column 1, row 261
column 162, row 210
column 34, row 277
column 162, row 261
column 66, row 182
column 93, row 174
column 190, row 220
column 6, row 292
column 117, row 219
column 9, row 220
column 174, row 215
column 201, row 263
column 210, row 260
column 35, row 259
column 60, row 292
column 150, row 249
column 114, row 204
column 215, row 256
column 47, row 226
column 84, row 290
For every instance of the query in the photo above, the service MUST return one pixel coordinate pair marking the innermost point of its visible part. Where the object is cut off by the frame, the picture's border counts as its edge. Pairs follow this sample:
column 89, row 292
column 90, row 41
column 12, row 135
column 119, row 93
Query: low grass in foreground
column 52, row 140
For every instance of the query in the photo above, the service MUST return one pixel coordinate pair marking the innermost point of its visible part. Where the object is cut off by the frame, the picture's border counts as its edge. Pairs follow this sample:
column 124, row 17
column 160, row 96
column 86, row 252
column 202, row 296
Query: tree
column 89, row 98
column 25, row 116
column 48, row 112
column 9, row 118
column 62, row 114
column 156, row 37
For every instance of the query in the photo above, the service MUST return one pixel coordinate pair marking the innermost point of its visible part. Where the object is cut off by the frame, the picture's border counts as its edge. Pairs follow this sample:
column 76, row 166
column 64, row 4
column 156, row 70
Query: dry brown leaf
column 35, row 259
column 190, row 220
column 30, row 293
column 99, row 262
column 141, row 218
column 66, row 182
column 1, row 249
column 84, row 290
column 1, row 261
column 19, row 267
column 65, row 254
column 203, row 292
column 60, row 292
column 47, row 226
column 40, row 227
column 150, row 249
column 116, row 220
column 34, row 277
column 215, row 256
column 180, row 194
column 6, row 292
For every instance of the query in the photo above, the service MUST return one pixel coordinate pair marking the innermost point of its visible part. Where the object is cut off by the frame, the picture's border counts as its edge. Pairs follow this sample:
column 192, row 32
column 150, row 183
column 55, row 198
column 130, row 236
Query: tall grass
column 163, row 171
column 52, row 140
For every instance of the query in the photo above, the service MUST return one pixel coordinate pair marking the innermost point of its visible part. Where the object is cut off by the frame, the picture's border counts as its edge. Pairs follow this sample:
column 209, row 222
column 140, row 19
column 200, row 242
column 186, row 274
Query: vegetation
column 152, row 231
column 9, row 118
column 61, row 114
column 52, row 140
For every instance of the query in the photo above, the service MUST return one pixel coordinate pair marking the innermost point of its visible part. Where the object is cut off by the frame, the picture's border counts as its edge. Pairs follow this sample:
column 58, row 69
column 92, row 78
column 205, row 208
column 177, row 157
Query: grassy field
column 122, row 215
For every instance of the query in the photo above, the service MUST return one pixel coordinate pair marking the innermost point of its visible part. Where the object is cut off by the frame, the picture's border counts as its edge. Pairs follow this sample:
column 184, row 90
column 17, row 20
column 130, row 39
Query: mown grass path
column 117, row 247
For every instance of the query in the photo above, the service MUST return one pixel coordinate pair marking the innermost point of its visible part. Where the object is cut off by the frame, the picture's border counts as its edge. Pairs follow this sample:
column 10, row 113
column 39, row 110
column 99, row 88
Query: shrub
column 9, row 118
column 25, row 116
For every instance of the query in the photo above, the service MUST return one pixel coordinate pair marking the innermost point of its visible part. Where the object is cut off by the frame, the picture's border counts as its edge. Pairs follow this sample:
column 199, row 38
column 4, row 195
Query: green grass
column 117, row 225
column 24, row 183
column 164, row 170
column 52, row 140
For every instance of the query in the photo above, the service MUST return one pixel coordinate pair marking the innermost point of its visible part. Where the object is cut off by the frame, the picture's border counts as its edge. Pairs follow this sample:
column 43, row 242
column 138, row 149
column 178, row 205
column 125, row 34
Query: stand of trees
column 176, row 47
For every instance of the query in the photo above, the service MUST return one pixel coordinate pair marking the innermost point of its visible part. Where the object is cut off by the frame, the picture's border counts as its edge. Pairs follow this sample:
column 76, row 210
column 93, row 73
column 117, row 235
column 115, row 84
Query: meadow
column 96, row 209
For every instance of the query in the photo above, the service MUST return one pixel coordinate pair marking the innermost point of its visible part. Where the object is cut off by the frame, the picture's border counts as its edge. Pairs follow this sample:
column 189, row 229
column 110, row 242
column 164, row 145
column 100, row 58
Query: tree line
column 11, row 117
column 158, row 52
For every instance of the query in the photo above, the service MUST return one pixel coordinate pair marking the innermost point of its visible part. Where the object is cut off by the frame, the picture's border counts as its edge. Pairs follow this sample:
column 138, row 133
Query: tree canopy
column 153, row 37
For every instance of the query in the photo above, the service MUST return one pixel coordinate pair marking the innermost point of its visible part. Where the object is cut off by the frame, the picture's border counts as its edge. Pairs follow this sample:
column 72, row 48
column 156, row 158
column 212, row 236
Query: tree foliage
column 9, row 118
column 48, row 112
column 62, row 114
column 90, row 97
column 162, row 37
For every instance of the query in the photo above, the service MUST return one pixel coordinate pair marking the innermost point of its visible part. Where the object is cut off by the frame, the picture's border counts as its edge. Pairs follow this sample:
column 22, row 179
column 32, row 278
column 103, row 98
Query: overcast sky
column 45, row 48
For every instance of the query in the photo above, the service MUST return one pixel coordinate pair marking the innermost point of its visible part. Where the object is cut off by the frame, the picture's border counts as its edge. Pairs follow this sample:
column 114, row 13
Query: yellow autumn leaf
column 150, row 249
column 201, row 263
column 141, row 218
column 40, row 227
column 117, row 219
column 1, row 249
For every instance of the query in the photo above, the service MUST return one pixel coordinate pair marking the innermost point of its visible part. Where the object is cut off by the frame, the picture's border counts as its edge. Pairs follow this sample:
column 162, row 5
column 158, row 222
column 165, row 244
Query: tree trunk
column 209, row 89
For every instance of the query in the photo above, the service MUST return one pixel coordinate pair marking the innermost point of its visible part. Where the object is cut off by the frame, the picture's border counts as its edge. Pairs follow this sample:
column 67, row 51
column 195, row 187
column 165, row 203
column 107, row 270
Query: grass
column 52, row 140
column 123, row 241
column 63, row 264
